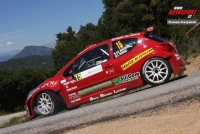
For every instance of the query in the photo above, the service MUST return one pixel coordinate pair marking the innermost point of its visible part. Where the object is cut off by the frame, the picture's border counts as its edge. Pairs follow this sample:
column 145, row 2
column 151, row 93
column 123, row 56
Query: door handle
column 109, row 65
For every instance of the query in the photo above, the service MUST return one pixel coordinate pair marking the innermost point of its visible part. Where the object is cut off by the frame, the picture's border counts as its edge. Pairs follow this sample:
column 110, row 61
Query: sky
column 36, row 22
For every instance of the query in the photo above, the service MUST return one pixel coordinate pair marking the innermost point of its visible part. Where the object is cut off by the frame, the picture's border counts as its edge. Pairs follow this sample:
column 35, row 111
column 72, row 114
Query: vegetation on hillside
column 14, row 87
column 120, row 17
column 31, row 62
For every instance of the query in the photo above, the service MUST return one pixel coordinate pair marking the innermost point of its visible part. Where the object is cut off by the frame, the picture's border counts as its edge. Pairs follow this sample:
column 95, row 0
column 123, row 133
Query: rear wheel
column 156, row 71
column 46, row 103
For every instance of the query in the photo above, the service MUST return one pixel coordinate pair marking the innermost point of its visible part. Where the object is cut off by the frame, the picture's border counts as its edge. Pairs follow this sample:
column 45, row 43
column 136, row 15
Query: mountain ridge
column 33, row 50
column 4, row 56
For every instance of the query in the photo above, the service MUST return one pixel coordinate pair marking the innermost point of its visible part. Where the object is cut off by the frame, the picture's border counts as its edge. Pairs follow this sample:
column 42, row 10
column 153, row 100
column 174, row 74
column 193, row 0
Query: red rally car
column 107, row 68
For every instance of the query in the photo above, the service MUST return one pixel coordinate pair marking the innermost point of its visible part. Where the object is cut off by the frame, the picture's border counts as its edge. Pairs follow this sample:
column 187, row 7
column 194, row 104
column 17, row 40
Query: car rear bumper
column 177, row 64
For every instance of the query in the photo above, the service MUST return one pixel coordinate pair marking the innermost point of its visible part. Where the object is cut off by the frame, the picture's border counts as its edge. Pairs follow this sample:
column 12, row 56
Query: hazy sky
column 36, row 22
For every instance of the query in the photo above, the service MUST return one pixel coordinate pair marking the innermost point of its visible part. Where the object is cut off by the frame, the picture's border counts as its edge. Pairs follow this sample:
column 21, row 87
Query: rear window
column 155, row 38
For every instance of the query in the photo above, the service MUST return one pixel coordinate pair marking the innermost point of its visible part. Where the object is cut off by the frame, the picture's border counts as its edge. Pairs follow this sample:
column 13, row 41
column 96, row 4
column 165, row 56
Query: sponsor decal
column 121, row 51
column 126, row 78
column 105, row 95
column 116, row 54
column 76, row 100
column 135, row 59
column 94, row 88
column 94, row 98
column 74, row 97
column 65, row 84
column 88, row 72
column 119, row 90
column 110, row 71
column 63, row 81
column 71, row 88
column 72, row 81
column 178, row 57
column 49, row 84
column 125, row 36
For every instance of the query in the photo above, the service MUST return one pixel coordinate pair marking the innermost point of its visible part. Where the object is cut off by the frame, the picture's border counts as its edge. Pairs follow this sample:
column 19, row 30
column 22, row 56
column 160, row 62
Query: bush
column 14, row 87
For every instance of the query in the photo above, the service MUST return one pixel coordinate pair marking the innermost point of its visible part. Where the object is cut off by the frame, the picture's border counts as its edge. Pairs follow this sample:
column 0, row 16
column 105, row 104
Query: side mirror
column 71, row 72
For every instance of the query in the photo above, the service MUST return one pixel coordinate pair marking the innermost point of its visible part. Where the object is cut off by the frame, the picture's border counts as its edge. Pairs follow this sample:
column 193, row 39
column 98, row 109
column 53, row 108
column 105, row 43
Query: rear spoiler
column 150, row 30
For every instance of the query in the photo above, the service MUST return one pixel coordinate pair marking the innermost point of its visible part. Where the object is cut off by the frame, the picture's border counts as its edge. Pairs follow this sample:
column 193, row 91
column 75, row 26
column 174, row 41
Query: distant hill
column 33, row 50
column 8, row 55
column 33, row 62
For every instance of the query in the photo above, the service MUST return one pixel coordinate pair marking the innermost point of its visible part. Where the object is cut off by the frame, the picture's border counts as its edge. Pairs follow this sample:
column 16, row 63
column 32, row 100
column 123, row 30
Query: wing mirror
column 71, row 72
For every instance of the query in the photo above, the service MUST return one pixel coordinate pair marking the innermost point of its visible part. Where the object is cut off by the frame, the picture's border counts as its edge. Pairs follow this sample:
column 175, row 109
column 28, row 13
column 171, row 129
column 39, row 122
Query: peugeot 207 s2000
column 105, row 69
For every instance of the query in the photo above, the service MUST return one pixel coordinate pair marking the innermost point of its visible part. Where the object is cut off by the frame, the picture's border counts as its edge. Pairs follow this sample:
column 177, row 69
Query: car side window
column 120, row 47
column 92, row 58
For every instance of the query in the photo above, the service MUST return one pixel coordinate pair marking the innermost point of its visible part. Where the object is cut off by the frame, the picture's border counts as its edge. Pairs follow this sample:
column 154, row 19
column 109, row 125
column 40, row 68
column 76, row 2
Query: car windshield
column 155, row 38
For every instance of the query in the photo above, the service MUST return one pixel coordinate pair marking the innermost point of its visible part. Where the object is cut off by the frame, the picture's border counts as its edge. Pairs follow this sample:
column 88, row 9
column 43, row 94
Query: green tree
column 65, row 49
column 14, row 87
column 88, row 34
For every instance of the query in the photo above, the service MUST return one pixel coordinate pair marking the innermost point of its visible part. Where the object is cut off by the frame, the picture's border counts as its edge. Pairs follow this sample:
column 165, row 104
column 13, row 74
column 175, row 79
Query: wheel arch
column 141, row 69
column 165, row 58
column 32, row 102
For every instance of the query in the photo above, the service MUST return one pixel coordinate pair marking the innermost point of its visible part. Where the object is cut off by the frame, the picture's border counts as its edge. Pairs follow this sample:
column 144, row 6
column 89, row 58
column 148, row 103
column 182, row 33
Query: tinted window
column 155, row 38
column 121, row 47
column 92, row 58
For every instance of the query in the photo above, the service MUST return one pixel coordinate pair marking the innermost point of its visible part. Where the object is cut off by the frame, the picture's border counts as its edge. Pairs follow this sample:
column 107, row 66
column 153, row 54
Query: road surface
column 176, row 90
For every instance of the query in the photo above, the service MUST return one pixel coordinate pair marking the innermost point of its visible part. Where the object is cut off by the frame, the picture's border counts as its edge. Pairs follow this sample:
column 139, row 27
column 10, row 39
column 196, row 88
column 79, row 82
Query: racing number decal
column 78, row 76
column 119, row 44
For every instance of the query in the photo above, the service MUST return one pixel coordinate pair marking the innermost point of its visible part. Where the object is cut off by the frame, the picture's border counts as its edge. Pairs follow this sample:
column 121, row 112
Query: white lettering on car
column 119, row 90
column 121, row 37
column 71, row 88
column 91, row 71
column 104, row 95
column 74, row 97
column 76, row 100
column 62, row 81
column 178, row 57
column 93, row 98
column 49, row 84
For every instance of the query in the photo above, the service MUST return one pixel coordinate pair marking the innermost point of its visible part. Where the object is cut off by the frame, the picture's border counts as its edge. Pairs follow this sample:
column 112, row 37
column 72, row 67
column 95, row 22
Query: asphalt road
column 174, row 91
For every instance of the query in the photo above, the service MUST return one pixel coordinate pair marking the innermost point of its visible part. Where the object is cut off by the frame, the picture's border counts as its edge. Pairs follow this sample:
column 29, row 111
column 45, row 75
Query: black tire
column 156, row 71
column 46, row 104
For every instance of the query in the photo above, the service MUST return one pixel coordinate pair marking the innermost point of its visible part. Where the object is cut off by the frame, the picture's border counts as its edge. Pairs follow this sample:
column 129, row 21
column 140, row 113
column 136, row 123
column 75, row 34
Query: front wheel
column 156, row 71
column 46, row 103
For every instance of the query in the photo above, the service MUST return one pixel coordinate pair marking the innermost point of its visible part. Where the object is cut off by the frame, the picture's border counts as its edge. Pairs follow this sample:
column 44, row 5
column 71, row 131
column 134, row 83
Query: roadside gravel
column 6, row 118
